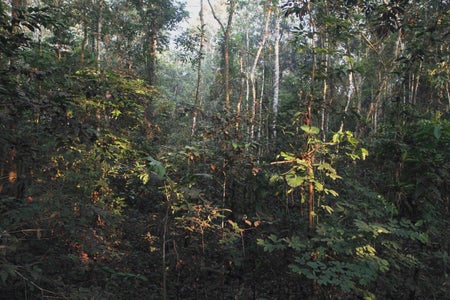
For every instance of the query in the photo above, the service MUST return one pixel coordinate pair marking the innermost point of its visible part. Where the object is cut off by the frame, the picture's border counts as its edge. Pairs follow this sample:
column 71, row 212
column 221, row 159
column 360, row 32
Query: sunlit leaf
column 287, row 155
column 332, row 192
column 363, row 153
column 312, row 130
column 115, row 113
column 318, row 186
column 294, row 181
column 328, row 209
column 337, row 137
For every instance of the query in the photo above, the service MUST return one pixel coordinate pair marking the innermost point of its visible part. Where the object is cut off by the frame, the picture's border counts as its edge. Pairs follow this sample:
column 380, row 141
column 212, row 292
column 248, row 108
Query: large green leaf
column 312, row 130
column 293, row 180
column 156, row 166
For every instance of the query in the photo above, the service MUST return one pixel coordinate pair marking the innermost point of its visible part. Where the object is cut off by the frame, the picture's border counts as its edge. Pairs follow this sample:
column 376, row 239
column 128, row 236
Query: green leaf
column 156, row 166
column 116, row 113
column 363, row 153
column 273, row 244
column 351, row 139
column 332, row 192
column 437, row 131
column 296, row 243
column 329, row 209
column 310, row 129
column 318, row 186
column 422, row 237
column 362, row 226
column 144, row 177
column 294, row 181
column 287, row 155
column 337, row 137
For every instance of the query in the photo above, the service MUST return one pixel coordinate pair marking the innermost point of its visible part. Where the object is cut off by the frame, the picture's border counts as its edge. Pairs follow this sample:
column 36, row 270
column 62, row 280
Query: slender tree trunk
column 9, row 182
column 225, row 48
column 164, row 243
column 415, row 84
column 325, row 58
column 226, row 75
column 260, row 113
column 323, row 110
column 101, row 3
column 16, row 7
column 308, row 122
column 151, row 55
column 252, row 75
column 198, row 100
column 447, row 90
column 247, row 73
column 351, row 87
column 84, row 43
column 276, row 80
column 241, row 91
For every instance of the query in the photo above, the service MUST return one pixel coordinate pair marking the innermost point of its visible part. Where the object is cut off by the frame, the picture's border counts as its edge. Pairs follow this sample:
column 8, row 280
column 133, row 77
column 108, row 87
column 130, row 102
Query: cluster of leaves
column 97, row 202
column 360, row 241
column 74, row 146
column 416, row 160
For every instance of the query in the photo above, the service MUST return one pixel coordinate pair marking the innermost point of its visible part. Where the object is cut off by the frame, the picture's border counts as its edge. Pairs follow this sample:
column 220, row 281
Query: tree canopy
column 266, row 150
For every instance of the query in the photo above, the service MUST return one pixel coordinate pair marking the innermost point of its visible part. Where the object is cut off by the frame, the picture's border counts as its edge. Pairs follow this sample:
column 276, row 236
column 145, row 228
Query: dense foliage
column 296, row 150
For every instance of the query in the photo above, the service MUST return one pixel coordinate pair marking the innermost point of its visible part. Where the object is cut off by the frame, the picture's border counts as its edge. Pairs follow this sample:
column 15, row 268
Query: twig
column 282, row 162
column 41, row 289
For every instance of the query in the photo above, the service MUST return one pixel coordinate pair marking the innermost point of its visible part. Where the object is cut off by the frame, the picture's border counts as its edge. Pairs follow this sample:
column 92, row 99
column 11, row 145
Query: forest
column 224, row 149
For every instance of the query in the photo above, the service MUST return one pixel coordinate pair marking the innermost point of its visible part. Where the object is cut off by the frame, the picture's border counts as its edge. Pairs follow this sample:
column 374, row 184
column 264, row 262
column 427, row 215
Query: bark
column 84, row 43
column 16, row 7
column 252, row 75
column 259, row 105
column 351, row 87
column 310, row 158
column 101, row 3
column 151, row 57
column 241, row 91
column 198, row 99
column 276, row 82
column 225, row 49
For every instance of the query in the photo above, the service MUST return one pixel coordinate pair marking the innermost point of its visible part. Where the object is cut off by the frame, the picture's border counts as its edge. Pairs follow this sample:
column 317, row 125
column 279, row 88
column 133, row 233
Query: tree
column 112, row 187
column 255, row 103
column 198, row 102
column 99, row 33
column 157, row 16
column 276, row 82
column 226, row 31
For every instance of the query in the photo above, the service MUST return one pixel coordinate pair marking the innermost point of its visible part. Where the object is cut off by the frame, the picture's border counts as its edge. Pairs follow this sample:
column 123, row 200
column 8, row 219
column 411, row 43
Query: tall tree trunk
column 252, row 75
column 260, row 105
column 325, row 86
column 151, row 55
column 16, row 7
column 241, row 91
column 101, row 3
column 225, row 49
column 9, row 172
column 198, row 100
column 84, row 43
column 226, row 58
column 276, row 80
column 351, row 86
column 310, row 158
